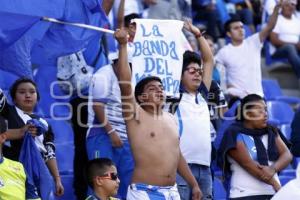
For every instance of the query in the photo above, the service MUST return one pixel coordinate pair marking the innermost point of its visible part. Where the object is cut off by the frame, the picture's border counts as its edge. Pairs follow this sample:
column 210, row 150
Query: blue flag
column 20, row 42
column 35, row 167
column 18, row 16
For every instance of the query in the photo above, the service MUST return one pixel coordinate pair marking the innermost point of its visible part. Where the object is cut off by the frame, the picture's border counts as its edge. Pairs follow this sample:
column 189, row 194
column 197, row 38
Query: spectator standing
column 155, row 149
column 242, row 58
column 192, row 109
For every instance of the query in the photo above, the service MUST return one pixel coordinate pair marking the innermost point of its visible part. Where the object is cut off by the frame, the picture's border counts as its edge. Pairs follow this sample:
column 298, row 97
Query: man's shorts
column 150, row 192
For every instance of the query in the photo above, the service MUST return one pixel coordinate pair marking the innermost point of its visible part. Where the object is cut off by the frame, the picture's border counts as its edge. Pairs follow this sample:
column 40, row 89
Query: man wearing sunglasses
column 193, row 117
column 153, row 136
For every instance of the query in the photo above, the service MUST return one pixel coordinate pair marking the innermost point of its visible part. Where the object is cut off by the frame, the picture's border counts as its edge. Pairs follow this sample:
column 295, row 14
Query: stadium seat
column 268, row 57
column 230, row 113
column 219, row 190
column 288, row 172
column 285, row 179
column 228, row 118
column 65, row 156
column 296, row 162
column 286, row 130
column 67, row 181
column 272, row 91
column 62, row 130
column 279, row 113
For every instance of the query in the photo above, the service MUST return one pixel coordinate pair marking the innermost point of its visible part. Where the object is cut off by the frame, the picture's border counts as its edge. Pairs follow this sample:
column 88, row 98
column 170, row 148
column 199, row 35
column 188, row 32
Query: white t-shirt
column 194, row 129
column 288, row 30
column 105, row 89
column 242, row 183
column 243, row 66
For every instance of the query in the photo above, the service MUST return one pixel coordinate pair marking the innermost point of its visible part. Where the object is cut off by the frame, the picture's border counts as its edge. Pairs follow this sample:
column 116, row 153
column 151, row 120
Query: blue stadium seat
column 285, row 179
column 272, row 91
column 65, row 156
column 279, row 113
column 286, row 130
column 231, row 111
column 67, row 181
column 219, row 190
column 296, row 162
column 228, row 119
column 288, row 172
column 268, row 57
column 62, row 130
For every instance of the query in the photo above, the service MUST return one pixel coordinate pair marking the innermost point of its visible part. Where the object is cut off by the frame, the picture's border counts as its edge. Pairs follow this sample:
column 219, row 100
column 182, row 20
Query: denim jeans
column 203, row 176
column 290, row 52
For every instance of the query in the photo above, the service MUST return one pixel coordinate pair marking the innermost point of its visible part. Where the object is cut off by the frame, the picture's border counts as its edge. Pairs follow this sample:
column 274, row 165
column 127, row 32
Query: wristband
column 200, row 34
column 110, row 132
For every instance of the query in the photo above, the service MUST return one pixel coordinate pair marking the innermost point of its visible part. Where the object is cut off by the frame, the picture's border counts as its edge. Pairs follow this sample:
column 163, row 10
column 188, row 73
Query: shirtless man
column 153, row 135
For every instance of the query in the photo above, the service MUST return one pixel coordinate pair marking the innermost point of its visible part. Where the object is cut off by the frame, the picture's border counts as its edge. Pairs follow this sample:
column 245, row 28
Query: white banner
column 158, row 51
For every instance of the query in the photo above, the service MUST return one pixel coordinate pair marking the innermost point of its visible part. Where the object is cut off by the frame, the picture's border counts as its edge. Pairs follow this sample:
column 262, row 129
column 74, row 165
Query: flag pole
column 79, row 25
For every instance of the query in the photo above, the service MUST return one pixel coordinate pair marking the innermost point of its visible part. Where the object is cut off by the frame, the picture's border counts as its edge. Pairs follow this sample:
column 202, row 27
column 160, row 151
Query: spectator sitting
column 102, row 177
column 285, row 36
column 253, row 152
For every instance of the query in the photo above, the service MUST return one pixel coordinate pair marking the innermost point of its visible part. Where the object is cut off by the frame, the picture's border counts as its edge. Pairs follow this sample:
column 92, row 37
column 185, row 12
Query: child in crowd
column 102, row 177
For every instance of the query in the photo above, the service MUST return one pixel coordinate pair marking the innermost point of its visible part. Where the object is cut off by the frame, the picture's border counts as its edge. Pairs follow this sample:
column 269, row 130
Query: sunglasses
column 112, row 176
column 193, row 70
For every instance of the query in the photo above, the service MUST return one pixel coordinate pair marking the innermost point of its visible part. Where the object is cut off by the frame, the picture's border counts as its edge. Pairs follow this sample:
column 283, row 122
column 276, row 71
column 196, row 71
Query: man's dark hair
column 139, row 88
column 97, row 167
column 246, row 104
column 3, row 125
column 233, row 19
column 14, row 87
column 190, row 57
column 128, row 18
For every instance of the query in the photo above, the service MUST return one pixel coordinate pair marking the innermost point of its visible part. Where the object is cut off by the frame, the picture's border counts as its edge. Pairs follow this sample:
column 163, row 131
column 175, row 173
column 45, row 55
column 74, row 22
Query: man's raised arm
column 123, row 74
column 206, row 54
column 265, row 32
